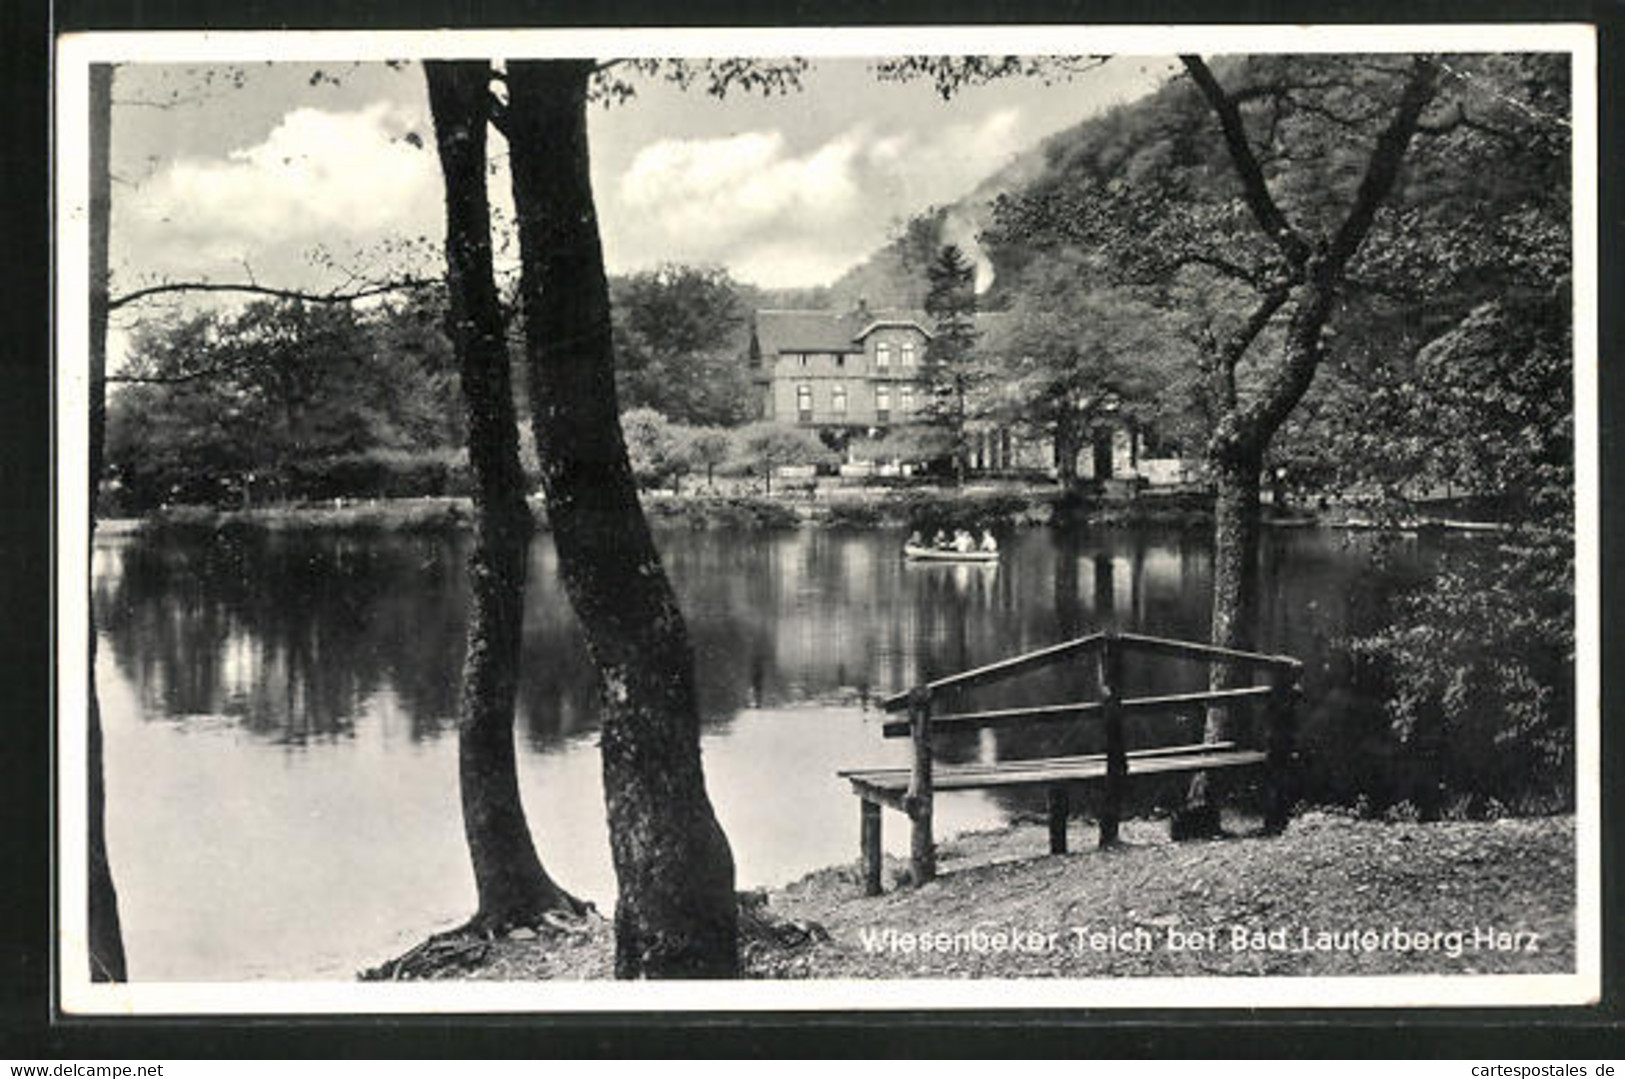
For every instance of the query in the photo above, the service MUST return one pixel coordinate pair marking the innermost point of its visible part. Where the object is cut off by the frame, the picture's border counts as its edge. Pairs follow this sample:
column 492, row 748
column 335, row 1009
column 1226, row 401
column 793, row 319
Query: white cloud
column 778, row 216
column 712, row 191
column 319, row 177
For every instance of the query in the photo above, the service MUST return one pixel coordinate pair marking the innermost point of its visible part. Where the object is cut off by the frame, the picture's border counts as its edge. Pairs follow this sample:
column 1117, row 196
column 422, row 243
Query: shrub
column 854, row 515
column 381, row 474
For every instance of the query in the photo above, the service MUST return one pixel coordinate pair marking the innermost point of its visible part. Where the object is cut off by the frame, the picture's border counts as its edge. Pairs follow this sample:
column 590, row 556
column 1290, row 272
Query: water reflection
column 296, row 636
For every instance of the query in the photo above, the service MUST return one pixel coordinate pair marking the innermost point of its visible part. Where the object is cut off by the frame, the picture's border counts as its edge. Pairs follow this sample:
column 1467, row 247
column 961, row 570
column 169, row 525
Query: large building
column 862, row 373
column 825, row 369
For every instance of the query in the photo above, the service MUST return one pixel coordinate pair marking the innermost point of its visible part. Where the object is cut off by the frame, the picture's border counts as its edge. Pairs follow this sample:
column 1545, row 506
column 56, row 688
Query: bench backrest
column 1283, row 672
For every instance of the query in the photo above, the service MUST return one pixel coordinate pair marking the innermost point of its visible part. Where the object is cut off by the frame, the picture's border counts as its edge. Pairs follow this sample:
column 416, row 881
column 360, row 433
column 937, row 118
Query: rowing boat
column 933, row 554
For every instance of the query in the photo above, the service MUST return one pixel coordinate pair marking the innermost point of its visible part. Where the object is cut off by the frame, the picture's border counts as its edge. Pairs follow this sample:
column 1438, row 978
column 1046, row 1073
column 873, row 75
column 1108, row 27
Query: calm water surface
column 280, row 712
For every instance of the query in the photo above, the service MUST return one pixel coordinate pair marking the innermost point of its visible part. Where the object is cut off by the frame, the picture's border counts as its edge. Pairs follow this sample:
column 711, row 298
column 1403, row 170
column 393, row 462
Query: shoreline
column 851, row 509
column 1334, row 895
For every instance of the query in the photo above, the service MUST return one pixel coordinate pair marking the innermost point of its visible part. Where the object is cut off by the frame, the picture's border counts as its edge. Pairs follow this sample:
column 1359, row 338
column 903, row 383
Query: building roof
column 780, row 331
column 805, row 331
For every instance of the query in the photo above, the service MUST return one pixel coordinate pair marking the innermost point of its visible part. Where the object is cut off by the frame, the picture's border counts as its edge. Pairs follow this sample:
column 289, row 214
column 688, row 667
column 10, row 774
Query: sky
column 298, row 174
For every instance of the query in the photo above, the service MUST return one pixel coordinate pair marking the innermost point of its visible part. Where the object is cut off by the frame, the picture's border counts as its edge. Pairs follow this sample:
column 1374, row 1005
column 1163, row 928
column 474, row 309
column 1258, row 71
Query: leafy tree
column 709, row 448
column 680, row 344
column 279, row 397
column 1078, row 358
column 656, row 448
column 913, row 442
column 950, row 356
column 1485, row 650
column 770, row 446
column 513, row 887
column 676, row 914
column 104, row 935
column 1266, row 192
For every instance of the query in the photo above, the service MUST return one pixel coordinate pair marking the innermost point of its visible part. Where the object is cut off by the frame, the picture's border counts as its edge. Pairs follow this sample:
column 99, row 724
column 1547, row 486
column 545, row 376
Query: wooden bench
column 910, row 789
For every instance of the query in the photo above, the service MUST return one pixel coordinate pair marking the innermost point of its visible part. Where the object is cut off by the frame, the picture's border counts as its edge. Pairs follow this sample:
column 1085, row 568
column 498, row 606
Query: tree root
column 453, row 953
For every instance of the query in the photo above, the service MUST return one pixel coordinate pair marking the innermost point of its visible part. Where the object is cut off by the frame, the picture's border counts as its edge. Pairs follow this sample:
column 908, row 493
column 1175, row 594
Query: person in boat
column 963, row 542
column 915, row 539
column 941, row 540
column 989, row 544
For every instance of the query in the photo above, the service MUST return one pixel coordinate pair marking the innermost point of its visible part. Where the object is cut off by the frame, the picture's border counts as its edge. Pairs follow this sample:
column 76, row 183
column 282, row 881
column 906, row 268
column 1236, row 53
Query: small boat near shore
column 933, row 554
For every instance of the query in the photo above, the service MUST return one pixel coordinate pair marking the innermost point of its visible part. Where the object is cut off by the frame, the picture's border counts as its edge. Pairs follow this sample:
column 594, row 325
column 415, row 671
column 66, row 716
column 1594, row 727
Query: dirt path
column 1333, row 896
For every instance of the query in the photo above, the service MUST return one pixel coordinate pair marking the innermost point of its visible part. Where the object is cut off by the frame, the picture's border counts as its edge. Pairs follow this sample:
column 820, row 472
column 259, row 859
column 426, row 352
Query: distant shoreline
column 999, row 508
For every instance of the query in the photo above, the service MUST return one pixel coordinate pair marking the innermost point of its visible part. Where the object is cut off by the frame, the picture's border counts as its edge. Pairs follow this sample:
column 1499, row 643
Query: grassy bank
column 375, row 515
column 1482, row 893
column 927, row 509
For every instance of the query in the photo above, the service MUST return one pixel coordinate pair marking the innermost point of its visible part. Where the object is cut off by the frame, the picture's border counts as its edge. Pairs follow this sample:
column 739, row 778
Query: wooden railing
column 1280, row 695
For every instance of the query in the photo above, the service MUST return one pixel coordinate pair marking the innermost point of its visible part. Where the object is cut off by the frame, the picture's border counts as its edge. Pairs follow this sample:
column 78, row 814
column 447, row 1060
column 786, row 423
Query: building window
column 882, row 356
column 803, row 359
column 837, row 399
column 804, row 403
column 882, row 403
column 908, row 354
column 905, row 398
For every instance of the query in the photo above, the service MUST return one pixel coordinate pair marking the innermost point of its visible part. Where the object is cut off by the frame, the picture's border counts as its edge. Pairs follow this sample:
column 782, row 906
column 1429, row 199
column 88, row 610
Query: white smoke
column 960, row 230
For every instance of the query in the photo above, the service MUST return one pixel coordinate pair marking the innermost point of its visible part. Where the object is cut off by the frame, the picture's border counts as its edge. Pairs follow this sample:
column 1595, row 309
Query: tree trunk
column 1235, row 611
column 1066, row 451
column 1100, row 445
column 1243, row 433
column 106, row 938
column 513, row 887
column 960, row 447
column 676, row 915
column 1068, row 616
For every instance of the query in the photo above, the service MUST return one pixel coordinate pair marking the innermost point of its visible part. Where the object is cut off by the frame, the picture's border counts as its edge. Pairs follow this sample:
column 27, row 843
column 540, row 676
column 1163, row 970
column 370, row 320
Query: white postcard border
column 75, row 54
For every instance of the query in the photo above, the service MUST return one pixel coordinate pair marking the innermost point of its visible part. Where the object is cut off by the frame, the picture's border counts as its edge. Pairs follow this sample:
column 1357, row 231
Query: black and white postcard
column 805, row 519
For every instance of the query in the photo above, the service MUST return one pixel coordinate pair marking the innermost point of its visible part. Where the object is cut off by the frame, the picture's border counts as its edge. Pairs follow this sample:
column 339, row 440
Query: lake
column 280, row 711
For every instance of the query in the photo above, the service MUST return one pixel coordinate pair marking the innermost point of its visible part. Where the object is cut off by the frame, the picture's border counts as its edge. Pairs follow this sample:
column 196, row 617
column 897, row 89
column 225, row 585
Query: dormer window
column 882, row 356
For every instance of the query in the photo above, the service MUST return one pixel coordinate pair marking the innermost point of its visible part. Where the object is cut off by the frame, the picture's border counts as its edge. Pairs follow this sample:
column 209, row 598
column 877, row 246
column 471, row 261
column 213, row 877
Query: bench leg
column 1108, row 824
column 922, row 848
column 869, row 833
column 1277, row 799
column 1059, row 810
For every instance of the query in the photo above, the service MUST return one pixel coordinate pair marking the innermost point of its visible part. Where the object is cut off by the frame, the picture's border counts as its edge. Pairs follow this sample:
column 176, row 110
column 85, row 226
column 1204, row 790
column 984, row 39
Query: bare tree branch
column 1236, row 347
column 1236, row 271
column 405, row 284
column 177, row 379
column 1256, row 190
column 1383, row 168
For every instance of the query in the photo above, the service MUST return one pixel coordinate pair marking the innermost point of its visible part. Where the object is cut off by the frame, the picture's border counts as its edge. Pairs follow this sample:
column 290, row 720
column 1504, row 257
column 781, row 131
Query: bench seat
column 882, row 782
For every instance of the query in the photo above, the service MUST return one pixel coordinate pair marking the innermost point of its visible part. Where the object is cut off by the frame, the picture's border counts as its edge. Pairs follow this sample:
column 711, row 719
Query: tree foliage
column 1485, row 649
column 953, row 370
column 221, row 406
column 681, row 339
column 1311, row 212
column 1076, row 356
column 766, row 447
